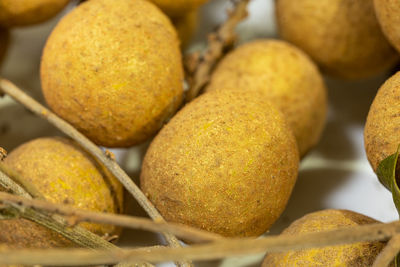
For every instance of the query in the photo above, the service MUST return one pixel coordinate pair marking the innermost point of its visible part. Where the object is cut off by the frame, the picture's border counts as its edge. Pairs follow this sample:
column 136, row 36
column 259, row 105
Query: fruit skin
column 175, row 8
column 185, row 26
column 225, row 163
column 26, row 12
column 358, row 254
column 4, row 40
column 342, row 36
column 120, row 76
column 388, row 12
column 64, row 173
column 286, row 77
column 381, row 137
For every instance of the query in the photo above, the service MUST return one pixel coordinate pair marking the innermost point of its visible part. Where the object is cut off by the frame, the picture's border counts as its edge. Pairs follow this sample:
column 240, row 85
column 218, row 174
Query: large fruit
column 354, row 255
column 342, row 36
column 286, row 77
column 225, row 163
column 176, row 8
column 64, row 173
column 388, row 12
column 381, row 133
column 185, row 26
column 27, row 12
column 113, row 69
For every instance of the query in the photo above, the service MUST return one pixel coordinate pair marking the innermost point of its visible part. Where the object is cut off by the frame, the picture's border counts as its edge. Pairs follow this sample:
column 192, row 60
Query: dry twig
column 199, row 68
column 390, row 251
column 210, row 251
column 182, row 231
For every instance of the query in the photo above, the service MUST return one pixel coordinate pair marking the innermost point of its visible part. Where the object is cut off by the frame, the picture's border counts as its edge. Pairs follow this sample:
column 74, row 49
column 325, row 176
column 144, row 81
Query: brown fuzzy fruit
column 354, row 255
column 342, row 36
column 381, row 136
column 225, row 163
column 186, row 26
column 286, row 77
column 27, row 12
column 64, row 173
column 388, row 13
column 176, row 8
column 119, row 76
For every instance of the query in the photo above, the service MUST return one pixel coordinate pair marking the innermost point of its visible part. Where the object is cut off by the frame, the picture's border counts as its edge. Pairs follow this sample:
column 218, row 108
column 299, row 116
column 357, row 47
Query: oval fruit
column 342, row 36
column 119, row 76
column 358, row 254
column 286, row 77
column 388, row 12
column 225, row 163
column 176, row 8
column 63, row 173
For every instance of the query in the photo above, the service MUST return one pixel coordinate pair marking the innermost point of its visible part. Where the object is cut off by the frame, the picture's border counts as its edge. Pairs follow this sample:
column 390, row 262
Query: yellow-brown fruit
column 176, row 8
column 286, row 77
column 225, row 163
column 119, row 76
column 388, row 13
column 185, row 26
column 27, row 12
column 4, row 39
column 342, row 36
column 354, row 255
column 63, row 173
column 381, row 132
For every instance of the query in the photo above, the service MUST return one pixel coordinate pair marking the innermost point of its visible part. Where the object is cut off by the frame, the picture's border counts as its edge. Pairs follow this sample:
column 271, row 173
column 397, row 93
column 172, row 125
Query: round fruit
column 286, row 77
column 27, row 12
column 176, row 8
column 64, row 173
column 186, row 26
column 381, row 136
column 359, row 254
column 343, row 36
column 388, row 12
column 119, row 76
column 225, row 163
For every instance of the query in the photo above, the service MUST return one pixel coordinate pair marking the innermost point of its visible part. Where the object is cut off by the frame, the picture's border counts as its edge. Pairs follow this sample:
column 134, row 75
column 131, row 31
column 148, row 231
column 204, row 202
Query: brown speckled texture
column 113, row 69
column 354, row 255
column 185, row 26
column 286, row 77
column 388, row 13
column 342, row 36
column 63, row 173
column 226, row 163
column 27, row 12
column 176, row 8
column 381, row 133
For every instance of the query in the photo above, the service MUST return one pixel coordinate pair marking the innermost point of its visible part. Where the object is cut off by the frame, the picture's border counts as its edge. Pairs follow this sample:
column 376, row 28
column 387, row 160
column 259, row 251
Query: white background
column 336, row 174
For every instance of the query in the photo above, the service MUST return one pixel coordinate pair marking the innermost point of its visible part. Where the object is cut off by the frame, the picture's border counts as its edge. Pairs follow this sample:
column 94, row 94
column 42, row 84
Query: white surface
column 335, row 174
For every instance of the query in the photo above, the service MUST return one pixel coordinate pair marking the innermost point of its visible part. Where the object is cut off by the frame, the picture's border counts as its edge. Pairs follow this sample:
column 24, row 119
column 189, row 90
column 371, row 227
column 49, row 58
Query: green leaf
column 386, row 173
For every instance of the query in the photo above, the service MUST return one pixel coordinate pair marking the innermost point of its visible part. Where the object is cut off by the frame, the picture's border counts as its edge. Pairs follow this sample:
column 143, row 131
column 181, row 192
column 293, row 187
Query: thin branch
column 211, row 251
column 198, row 67
column 390, row 251
column 18, row 95
column 182, row 231
column 78, row 235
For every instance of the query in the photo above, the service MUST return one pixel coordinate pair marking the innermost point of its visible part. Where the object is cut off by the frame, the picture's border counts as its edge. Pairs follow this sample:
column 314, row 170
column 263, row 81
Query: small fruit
column 175, row 8
column 120, row 75
column 185, row 26
column 64, row 173
column 27, row 12
column 342, row 36
column 225, row 163
column 388, row 12
column 359, row 254
column 286, row 77
column 381, row 136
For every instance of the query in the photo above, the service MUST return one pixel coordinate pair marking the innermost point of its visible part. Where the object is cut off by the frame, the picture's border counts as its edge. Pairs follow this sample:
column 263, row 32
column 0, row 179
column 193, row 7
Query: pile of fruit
column 225, row 162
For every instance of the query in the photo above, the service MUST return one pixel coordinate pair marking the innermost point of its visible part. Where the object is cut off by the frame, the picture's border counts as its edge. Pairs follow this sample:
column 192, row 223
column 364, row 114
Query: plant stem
column 390, row 251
